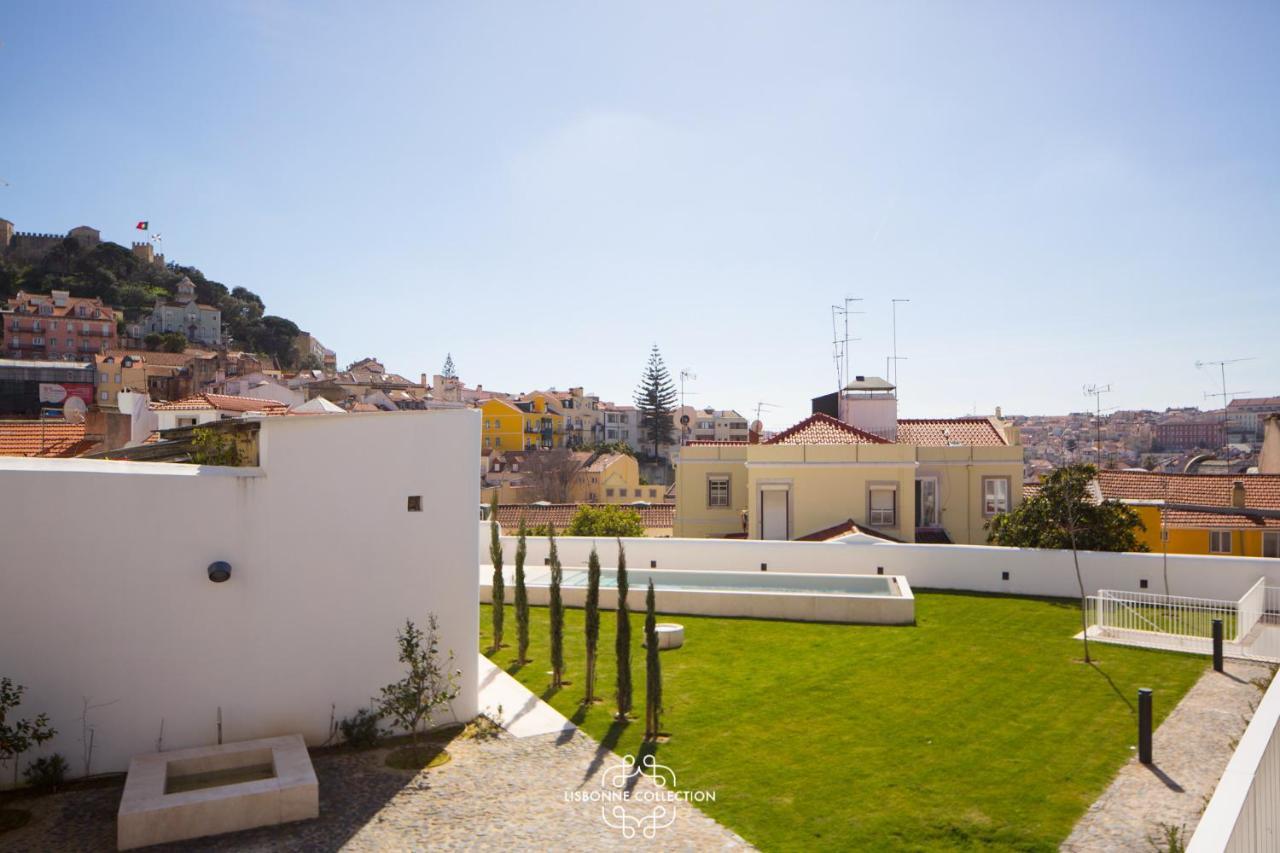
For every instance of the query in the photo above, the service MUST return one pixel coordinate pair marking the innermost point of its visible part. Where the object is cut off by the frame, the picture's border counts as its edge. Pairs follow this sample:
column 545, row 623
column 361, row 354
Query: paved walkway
column 1191, row 749
column 510, row 704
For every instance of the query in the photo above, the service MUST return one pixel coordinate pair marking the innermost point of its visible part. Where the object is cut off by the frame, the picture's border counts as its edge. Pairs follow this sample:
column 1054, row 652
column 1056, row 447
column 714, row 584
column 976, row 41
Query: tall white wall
column 961, row 567
column 104, row 591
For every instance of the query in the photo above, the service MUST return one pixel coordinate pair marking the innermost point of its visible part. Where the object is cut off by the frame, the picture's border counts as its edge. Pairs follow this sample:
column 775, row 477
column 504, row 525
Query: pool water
column 638, row 579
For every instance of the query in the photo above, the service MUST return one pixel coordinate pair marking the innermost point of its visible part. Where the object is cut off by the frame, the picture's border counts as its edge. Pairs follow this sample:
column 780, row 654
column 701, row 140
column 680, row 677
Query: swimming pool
column 871, row 599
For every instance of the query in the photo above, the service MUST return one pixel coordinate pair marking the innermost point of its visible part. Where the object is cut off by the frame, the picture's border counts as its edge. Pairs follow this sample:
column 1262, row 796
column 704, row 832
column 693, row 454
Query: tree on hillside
column 655, row 397
column 550, row 473
column 173, row 342
column 449, row 371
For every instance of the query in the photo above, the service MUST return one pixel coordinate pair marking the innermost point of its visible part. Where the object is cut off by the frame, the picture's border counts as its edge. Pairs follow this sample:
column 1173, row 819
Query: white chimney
column 1269, row 456
column 871, row 404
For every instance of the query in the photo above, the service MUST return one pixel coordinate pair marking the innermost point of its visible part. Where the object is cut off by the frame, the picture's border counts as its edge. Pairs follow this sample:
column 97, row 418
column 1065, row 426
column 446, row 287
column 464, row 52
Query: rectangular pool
column 871, row 599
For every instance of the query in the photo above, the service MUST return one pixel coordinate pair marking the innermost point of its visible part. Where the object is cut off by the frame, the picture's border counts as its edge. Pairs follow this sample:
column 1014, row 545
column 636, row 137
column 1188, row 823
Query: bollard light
column 1217, row 645
column 1144, row 725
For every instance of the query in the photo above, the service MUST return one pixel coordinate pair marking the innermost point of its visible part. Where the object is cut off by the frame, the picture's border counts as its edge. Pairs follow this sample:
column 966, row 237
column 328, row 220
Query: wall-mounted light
column 219, row 571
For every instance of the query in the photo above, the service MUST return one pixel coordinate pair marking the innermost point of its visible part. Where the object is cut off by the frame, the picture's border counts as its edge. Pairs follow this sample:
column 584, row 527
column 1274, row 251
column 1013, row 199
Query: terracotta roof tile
column 819, row 428
column 1181, row 493
column 844, row 528
column 43, row 438
column 657, row 515
column 712, row 442
column 223, row 403
column 945, row 432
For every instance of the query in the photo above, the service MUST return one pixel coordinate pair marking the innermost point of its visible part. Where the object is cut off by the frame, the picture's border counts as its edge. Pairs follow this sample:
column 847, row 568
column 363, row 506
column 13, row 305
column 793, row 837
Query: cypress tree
column 652, row 668
column 592, row 622
column 499, row 589
column 557, row 614
column 522, row 598
column 622, row 640
column 655, row 398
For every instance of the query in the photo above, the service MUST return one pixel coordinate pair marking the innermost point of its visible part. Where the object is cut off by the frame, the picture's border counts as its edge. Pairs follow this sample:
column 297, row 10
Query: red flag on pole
column 142, row 225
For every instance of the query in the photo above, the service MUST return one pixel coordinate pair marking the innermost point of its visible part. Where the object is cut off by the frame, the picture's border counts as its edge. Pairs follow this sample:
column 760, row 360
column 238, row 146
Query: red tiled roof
column 820, row 428
column 223, row 403
column 656, row 515
column 705, row 442
column 844, row 528
column 1182, row 493
column 944, row 432
column 53, row 439
column 97, row 311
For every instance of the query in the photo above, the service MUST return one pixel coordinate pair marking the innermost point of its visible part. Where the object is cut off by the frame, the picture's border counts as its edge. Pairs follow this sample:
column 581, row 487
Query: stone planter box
column 209, row 790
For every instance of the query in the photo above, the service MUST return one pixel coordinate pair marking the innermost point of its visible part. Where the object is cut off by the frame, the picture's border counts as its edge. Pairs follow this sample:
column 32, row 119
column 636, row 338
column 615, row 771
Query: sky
column 1068, row 193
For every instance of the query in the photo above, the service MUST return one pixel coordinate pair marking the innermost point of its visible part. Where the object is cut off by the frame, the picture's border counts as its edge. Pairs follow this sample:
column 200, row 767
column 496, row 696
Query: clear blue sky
column 1067, row 192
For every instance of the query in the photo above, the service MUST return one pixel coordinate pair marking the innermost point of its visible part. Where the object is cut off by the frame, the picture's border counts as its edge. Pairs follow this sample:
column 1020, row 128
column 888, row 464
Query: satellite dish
column 73, row 410
column 757, row 426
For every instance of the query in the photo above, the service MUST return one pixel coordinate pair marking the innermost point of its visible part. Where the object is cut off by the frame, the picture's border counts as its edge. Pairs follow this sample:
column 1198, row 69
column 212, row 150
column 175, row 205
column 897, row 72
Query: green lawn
column 975, row 729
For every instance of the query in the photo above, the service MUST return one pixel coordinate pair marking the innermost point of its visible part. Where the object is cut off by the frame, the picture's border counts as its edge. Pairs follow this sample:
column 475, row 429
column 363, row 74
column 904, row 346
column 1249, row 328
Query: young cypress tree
column 652, row 669
column 557, row 614
column 522, row 598
column 592, row 622
column 499, row 594
column 655, row 398
column 622, row 640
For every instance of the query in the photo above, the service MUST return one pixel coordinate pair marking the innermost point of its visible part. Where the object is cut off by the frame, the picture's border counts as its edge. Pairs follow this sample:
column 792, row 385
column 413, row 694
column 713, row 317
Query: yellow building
column 115, row 373
column 1224, row 514
column 530, row 424
column 909, row 480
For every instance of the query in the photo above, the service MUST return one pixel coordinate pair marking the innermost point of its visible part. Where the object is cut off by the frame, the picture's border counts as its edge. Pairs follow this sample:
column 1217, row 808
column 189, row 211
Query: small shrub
column 1169, row 839
column 47, row 774
column 361, row 729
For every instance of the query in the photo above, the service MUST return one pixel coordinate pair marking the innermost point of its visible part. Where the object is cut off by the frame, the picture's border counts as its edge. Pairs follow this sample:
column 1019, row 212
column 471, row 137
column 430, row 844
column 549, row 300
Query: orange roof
column 43, row 439
column 1181, row 494
column 819, row 428
column 93, row 305
column 944, row 432
column 843, row 529
column 656, row 515
column 223, row 403
column 704, row 442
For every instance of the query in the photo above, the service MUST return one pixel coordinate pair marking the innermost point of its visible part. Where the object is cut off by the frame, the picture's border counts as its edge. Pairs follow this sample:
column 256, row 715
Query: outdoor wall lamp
column 219, row 571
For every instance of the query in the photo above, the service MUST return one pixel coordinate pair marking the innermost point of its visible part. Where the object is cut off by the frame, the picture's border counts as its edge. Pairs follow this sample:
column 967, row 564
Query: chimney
column 1237, row 494
column 870, row 404
column 1269, row 456
column 423, row 381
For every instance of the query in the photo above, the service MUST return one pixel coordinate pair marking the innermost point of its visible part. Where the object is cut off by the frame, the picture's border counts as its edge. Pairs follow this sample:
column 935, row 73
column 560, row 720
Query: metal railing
column 1117, row 610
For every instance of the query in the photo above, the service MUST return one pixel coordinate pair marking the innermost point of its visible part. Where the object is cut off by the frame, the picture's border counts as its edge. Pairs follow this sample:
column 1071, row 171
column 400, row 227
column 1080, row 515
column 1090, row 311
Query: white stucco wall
column 978, row 568
column 104, row 592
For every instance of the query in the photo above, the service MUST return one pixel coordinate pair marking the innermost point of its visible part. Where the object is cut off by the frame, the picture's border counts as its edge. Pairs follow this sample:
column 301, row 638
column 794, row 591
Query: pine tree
column 652, row 668
column 499, row 590
column 522, row 598
column 622, row 640
column 655, row 398
column 448, row 371
column 591, row 620
column 557, row 614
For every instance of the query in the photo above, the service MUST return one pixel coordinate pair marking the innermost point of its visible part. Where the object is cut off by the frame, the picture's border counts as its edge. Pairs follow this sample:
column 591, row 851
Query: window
column 995, row 495
column 718, row 490
column 53, row 325
column 882, row 503
column 117, row 378
column 37, row 341
column 927, row 502
column 497, row 442
column 1271, row 543
column 1219, row 541
column 102, row 395
column 608, row 493
column 102, row 379
column 106, row 328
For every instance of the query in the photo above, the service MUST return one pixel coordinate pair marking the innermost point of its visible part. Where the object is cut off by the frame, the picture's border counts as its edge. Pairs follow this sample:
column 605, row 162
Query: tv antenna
column 1096, row 392
column 762, row 406
column 840, row 340
column 685, row 375
column 895, row 359
column 1225, row 394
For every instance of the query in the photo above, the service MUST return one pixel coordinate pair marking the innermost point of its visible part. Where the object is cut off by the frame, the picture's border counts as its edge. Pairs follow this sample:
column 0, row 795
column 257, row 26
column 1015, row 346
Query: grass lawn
column 975, row 729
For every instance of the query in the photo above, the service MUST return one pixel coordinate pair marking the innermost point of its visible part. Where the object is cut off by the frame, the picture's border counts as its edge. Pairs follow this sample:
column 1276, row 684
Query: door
column 773, row 514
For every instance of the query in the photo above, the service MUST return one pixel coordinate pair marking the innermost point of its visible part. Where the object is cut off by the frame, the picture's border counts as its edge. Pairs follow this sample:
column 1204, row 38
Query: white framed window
column 927, row 510
column 102, row 396
column 1271, row 543
column 882, row 506
column 102, row 379
column 995, row 495
column 718, row 490
column 37, row 341
column 1219, row 541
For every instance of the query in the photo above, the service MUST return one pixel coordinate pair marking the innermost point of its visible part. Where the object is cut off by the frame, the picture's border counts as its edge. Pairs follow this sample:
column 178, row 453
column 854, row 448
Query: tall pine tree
column 449, row 371
column 591, row 620
column 499, row 589
column 652, row 669
column 522, row 597
column 655, row 399
column 557, row 614
column 622, row 639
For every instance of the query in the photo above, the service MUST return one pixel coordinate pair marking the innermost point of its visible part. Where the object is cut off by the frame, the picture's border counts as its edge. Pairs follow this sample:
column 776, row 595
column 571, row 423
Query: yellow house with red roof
column 935, row 480
column 533, row 424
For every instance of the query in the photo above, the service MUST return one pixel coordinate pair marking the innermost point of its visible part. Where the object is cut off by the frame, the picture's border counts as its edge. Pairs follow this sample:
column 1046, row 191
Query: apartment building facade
column 56, row 327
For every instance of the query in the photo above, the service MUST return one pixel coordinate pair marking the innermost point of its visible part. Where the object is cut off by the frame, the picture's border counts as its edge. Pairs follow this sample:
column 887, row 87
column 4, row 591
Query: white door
column 773, row 514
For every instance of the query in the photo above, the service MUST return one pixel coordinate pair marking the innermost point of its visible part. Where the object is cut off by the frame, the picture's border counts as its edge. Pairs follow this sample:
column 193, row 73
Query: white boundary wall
column 1244, row 814
column 978, row 568
column 104, row 591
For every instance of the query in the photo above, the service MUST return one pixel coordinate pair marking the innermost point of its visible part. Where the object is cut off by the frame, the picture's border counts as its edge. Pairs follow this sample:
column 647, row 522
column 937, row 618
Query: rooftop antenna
column 1096, row 392
column 894, row 302
column 840, row 342
column 1225, row 395
column 762, row 406
column 685, row 375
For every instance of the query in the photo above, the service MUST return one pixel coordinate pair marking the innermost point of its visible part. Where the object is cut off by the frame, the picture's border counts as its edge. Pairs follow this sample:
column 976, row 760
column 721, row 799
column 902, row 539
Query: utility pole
column 894, row 303
column 1096, row 391
column 1225, row 395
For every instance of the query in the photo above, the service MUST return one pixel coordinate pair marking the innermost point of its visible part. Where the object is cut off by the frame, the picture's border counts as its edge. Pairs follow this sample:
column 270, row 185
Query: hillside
column 114, row 274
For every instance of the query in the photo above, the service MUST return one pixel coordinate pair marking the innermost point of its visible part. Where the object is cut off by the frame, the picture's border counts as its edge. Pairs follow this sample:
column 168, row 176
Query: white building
column 200, row 323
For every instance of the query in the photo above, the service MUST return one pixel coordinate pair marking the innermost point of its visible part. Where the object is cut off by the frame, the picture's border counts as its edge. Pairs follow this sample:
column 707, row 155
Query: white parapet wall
column 978, row 568
column 105, row 598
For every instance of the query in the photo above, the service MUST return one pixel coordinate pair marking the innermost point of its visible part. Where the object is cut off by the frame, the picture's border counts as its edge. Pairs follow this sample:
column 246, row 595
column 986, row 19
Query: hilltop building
column 202, row 324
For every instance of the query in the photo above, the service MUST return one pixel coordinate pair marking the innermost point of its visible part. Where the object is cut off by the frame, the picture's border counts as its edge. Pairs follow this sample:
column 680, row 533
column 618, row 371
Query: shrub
column 47, row 774
column 361, row 729
column 429, row 685
column 605, row 520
